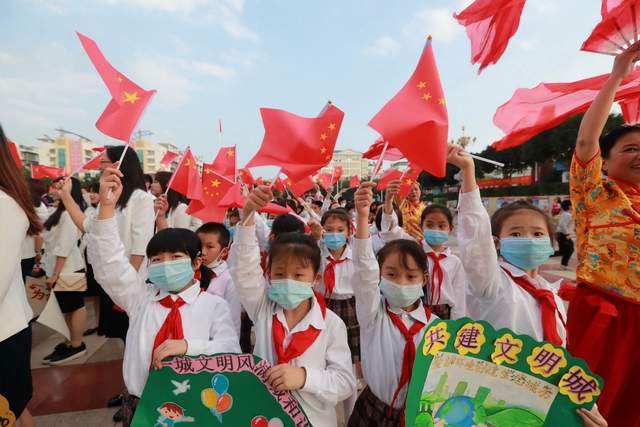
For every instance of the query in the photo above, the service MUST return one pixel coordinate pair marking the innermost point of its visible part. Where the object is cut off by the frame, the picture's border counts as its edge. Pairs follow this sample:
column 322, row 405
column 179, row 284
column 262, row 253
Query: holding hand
column 286, row 377
column 592, row 418
column 161, row 205
column 393, row 188
column 316, row 229
column 363, row 198
column 458, row 157
column 166, row 349
column 110, row 191
column 258, row 199
column 624, row 62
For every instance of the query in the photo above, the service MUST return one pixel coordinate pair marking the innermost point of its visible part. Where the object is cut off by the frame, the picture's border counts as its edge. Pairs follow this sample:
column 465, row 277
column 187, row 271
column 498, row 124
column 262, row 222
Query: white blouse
column 62, row 241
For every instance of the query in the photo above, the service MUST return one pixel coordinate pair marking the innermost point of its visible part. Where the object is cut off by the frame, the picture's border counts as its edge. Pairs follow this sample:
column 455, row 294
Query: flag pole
column 378, row 166
column 172, row 177
column 244, row 221
column 482, row 159
column 126, row 147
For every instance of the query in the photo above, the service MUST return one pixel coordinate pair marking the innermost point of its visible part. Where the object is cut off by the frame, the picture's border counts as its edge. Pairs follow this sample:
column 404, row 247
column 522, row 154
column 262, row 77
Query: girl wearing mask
column 304, row 340
column 392, row 323
column 173, row 303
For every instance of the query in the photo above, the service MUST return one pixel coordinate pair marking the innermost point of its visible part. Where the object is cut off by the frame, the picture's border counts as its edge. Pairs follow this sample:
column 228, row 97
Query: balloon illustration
column 275, row 422
column 259, row 421
column 216, row 399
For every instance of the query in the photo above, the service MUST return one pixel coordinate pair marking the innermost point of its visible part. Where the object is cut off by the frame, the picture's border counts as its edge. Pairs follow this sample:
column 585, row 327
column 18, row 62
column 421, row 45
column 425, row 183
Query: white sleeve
column 180, row 217
column 68, row 236
column 142, row 223
column 112, row 268
column 12, row 230
column 222, row 336
column 366, row 280
column 246, row 272
column 326, row 204
column 336, row 381
column 477, row 250
column 388, row 222
column 235, row 307
column 262, row 230
column 459, row 285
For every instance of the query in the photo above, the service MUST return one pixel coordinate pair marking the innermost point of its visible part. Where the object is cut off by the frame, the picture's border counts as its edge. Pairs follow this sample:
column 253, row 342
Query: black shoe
column 117, row 417
column 90, row 331
column 55, row 352
column 67, row 354
column 115, row 401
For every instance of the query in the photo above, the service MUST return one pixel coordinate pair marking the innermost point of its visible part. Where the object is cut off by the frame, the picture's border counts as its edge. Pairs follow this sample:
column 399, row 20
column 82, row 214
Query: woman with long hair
column 32, row 245
column 170, row 206
column 19, row 220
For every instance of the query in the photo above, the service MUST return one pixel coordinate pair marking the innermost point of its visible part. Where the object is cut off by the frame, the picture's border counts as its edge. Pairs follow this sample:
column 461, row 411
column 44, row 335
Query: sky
column 211, row 59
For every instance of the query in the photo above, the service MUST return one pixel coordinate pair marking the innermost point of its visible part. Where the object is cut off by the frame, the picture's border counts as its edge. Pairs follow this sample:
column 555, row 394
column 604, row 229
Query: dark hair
column 234, row 212
column 286, row 202
column 38, row 189
column 148, row 178
column 175, row 240
column 506, row 211
column 296, row 245
column 609, row 140
column 224, row 237
column 15, row 185
column 286, row 224
column 133, row 177
column 173, row 197
column 407, row 248
column 337, row 213
column 76, row 195
column 318, row 203
column 349, row 206
column 95, row 187
column 565, row 205
column 437, row 208
column 379, row 212
column 173, row 407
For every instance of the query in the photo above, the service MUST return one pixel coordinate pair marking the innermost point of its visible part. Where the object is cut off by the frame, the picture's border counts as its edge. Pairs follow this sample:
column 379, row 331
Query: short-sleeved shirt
column 607, row 217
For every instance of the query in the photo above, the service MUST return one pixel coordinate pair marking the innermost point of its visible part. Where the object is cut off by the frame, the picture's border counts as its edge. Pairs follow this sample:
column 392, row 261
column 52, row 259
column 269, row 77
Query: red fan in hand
column 618, row 28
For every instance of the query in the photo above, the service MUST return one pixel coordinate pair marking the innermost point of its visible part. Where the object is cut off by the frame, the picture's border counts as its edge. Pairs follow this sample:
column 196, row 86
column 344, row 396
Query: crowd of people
column 326, row 280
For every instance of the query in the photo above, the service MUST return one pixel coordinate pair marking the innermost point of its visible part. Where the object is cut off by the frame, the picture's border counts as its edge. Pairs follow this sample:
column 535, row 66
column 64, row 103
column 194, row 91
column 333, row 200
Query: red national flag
column 337, row 174
column 631, row 110
column 276, row 209
column 490, row 24
column 246, row 177
column 608, row 6
column 617, row 30
column 278, row 185
column 168, row 157
column 299, row 145
column 225, row 162
column 214, row 188
column 388, row 176
column 354, row 181
column 15, row 153
column 39, row 172
column 531, row 111
column 410, row 176
column 93, row 163
column 186, row 179
column 128, row 100
column 375, row 151
column 259, row 181
column 324, row 179
column 234, row 197
column 415, row 120
column 300, row 186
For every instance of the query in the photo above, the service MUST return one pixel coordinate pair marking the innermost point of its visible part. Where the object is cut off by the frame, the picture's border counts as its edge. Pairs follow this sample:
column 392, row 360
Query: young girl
column 604, row 315
column 305, row 341
column 507, row 292
column 392, row 324
column 172, row 317
column 170, row 206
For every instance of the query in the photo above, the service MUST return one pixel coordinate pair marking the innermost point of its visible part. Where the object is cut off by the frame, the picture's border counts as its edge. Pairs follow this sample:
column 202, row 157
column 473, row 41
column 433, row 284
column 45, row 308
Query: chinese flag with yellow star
column 415, row 120
column 388, row 176
column 324, row 180
column 354, row 181
column 278, row 185
column 128, row 100
column 299, row 145
column 410, row 176
column 225, row 162
column 186, row 179
column 337, row 174
column 214, row 189
column 246, row 177
column 300, row 186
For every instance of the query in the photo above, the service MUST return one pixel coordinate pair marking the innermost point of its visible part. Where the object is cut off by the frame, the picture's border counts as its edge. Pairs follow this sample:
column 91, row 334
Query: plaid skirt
column 129, row 405
column 371, row 411
column 346, row 310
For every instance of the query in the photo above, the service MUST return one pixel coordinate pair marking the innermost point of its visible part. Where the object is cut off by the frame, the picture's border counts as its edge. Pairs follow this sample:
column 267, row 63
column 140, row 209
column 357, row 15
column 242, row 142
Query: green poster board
column 218, row 390
column 467, row 374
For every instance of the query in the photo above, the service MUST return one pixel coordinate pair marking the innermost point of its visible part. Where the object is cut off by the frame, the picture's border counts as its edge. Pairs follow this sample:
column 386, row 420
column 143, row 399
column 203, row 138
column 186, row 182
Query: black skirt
column 15, row 371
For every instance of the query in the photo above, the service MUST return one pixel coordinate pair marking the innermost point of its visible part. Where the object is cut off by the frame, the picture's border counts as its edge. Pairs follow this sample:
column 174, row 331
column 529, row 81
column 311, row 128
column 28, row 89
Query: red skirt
column 605, row 330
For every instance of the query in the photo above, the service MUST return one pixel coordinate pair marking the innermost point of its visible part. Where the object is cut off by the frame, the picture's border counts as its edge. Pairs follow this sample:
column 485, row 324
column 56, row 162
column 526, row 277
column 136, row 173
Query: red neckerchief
column 437, row 277
column 329, row 275
column 172, row 326
column 548, row 307
column 300, row 341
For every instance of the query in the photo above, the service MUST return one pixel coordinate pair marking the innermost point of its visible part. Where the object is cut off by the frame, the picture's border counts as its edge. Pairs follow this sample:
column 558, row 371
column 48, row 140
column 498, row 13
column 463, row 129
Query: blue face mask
column 171, row 276
column 524, row 252
column 289, row 293
column 435, row 237
column 334, row 241
column 399, row 296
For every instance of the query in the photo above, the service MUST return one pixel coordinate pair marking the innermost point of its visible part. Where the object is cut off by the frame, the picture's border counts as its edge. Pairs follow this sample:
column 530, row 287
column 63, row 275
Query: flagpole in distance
column 173, row 175
column 126, row 147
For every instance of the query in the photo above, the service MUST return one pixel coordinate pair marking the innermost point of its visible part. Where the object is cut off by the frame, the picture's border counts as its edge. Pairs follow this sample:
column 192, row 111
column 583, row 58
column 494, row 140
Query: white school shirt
column 28, row 248
column 343, row 288
column 566, row 224
column 62, row 241
column 381, row 238
column 136, row 223
column 330, row 377
column 454, row 281
column 15, row 312
column 492, row 295
column 223, row 286
column 206, row 320
column 382, row 362
column 178, row 217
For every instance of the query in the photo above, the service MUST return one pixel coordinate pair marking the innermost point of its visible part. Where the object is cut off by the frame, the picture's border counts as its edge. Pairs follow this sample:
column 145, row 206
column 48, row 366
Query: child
column 172, row 317
column 507, row 292
column 380, row 234
column 214, row 272
column 604, row 315
column 305, row 341
column 392, row 325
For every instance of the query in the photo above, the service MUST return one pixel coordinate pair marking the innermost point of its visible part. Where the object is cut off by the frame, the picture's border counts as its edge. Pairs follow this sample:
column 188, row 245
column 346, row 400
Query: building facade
column 352, row 163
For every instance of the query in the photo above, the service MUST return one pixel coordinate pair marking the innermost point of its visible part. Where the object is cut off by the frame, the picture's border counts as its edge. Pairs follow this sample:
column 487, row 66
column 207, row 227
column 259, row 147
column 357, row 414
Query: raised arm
column 76, row 214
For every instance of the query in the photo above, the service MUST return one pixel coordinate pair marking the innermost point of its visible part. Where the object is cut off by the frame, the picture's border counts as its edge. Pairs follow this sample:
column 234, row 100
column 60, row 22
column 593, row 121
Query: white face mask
column 399, row 296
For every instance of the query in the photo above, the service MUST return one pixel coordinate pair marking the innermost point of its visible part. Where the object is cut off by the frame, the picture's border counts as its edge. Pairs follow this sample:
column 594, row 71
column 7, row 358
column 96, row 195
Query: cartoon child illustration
column 170, row 415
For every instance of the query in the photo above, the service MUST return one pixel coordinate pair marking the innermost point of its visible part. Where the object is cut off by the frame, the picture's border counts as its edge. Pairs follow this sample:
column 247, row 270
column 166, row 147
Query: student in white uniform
column 61, row 257
column 169, row 205
column 392, row 323
column 392, row 230
column 214, row 271
column 505, row 288
column 305, row 341
column 19, row 220
column 175, row 300
column 32, row 245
